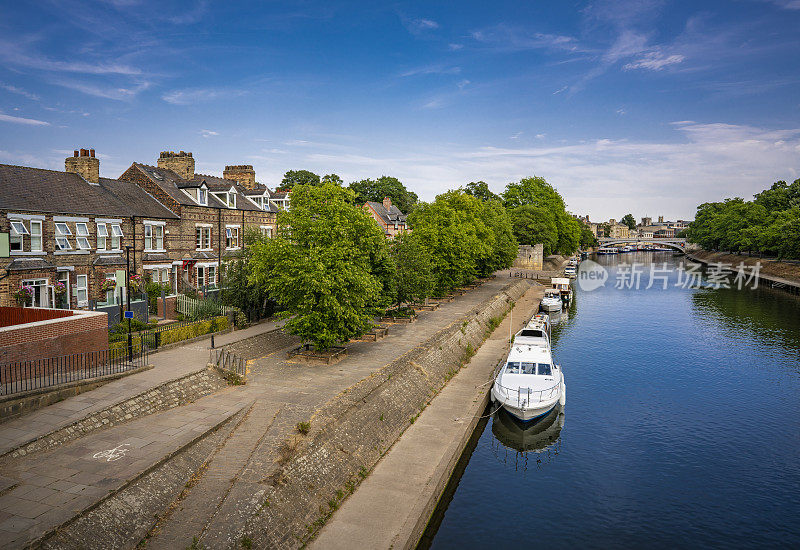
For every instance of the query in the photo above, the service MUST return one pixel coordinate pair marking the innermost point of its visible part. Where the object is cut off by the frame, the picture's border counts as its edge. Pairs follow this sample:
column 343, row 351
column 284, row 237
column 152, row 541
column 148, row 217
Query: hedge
column 170, row 336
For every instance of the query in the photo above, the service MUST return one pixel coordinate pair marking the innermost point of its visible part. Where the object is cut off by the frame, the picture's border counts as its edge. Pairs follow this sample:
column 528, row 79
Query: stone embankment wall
column 352, row 431
column 529, row 257
column 161, row 398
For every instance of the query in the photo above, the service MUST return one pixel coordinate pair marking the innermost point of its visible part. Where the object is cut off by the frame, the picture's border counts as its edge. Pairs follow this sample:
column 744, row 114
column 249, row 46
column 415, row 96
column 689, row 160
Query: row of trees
column 769, row 224
column 332, row 270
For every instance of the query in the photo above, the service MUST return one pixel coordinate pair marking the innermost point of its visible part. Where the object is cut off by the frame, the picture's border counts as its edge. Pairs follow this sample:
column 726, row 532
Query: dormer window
column 231, row 198
column 202, row 196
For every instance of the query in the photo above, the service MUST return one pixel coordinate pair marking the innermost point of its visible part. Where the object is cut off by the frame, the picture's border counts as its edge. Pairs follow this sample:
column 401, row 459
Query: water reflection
column 524, row 446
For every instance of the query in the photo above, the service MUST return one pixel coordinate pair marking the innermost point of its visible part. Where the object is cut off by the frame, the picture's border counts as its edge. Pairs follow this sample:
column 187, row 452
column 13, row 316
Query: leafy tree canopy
column 332, row 178
column 320, row 267
column 385, row 186
column 480, row 189
column 299, row 177
column 414, row 276
column 628, row 220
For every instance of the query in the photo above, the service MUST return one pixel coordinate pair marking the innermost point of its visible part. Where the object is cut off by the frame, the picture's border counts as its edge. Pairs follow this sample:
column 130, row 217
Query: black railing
column 152, row 337
column 228, row 361
column 23, row 376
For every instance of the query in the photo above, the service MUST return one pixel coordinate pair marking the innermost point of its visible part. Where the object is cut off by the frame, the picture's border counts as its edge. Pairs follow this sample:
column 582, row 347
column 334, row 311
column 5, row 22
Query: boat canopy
column 525, row 367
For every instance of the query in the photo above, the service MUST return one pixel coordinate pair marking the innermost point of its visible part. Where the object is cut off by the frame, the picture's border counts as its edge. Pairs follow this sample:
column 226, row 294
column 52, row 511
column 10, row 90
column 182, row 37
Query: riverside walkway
column 198, row 468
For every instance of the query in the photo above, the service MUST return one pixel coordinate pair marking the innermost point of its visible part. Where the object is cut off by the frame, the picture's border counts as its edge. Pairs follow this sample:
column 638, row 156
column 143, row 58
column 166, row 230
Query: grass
column 303, row 427
column 247, row 542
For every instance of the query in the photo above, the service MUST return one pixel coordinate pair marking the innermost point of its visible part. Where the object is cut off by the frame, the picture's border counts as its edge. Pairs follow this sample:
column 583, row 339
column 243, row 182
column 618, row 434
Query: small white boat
column 608, row 250
column 570, row 271
column 551, row 300
column 562, row 286
column 529, row 385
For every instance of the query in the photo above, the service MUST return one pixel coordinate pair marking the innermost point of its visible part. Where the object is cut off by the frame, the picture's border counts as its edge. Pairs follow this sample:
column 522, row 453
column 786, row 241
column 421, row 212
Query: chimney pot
column 91, row 153
column 76, row 153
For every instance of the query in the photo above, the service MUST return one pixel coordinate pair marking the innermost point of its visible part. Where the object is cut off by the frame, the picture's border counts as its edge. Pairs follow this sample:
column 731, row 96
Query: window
column 62, row 243
column 81, row 230
column 17, row 241
column 512, row 367
column 36, row 236
column 231, row 237
column 62, row 229
column 206, row 276
column 82, row 289
column 153, row 237
column 83, row 243
column 544, row 369
column 202, row 196
column 203, row 238
column 116, row 233
column 266, row 231
column 160, row 275
column 231, row 200
column 102, row 235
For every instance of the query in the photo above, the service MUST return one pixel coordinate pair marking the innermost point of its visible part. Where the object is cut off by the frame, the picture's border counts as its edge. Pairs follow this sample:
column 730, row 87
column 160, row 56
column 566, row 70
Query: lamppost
column 128, row 298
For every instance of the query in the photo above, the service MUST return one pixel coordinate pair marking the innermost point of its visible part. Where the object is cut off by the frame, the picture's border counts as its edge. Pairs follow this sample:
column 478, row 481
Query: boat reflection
column 536, row 444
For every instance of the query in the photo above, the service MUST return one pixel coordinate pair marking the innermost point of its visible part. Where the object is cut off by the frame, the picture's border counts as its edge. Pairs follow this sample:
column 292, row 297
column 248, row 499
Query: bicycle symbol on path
column 113, row 454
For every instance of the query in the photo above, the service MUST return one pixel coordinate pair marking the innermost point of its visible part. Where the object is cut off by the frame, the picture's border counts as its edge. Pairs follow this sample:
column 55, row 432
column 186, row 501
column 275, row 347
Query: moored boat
column 551, row 300
column 607, row 250
column 562, row 286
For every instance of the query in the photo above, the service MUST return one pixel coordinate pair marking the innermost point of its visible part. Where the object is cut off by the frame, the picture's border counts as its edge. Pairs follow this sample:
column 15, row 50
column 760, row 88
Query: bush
column 193, row 330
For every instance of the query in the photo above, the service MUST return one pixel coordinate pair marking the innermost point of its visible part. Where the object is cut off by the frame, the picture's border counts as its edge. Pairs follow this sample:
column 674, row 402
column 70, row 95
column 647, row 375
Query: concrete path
column 391, row 507
column 167, row 365
column 54, row 486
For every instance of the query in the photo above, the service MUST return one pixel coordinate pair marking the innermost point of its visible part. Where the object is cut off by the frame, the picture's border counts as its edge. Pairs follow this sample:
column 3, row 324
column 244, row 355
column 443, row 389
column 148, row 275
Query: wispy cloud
column 419, row 26
column 511, row 38
column 198, row 95
column 117, row 93
column 19, row 91
column 654, row 61
column 20, row 120
column 12, row 54
column 431, row 69
column 453, row 47
column 208, row 133
column 787, row 4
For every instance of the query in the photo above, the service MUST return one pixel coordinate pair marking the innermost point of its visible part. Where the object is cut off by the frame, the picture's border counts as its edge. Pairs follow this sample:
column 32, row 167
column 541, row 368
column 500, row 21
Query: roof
column 109, row 259
column 173, row 185
column 40, row 190
column 389, row 217
column 24, row 264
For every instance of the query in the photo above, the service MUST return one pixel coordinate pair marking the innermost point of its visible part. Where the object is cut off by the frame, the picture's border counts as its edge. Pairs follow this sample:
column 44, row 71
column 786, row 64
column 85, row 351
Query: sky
column 644, row 106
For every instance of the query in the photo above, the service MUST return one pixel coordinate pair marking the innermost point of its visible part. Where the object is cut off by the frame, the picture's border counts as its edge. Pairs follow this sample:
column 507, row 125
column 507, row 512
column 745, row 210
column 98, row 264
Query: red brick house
column 388, row 216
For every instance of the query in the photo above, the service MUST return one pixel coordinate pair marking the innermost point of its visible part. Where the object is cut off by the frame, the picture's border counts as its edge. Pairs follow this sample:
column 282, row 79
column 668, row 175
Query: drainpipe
column 219, row 250
column 133, row 263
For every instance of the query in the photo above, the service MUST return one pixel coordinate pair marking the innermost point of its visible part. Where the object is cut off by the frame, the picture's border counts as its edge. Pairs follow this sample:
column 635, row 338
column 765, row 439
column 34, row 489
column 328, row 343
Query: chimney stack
column 181, row 163
column 242, row 174
column 387, row 203
column 84, row 163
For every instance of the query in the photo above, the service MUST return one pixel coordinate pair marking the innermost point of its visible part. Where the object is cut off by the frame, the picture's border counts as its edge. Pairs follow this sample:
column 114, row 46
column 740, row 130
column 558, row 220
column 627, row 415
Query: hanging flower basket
column 108, row 284
column 23, row 295
column 59, row 288
column 134, row 283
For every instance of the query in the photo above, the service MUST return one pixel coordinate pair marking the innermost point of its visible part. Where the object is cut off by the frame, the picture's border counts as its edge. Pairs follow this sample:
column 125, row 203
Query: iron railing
column 228, row 361
column 152, row 337
column 526, row 396
column 23, row 376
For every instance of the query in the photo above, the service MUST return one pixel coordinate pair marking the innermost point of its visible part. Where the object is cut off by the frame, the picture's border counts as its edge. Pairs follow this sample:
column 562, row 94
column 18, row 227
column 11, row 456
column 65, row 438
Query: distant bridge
column 673, row 242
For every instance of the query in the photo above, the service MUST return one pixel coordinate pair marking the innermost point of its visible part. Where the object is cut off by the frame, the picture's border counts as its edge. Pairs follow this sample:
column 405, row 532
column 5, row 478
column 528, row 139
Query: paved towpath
column 167, row 365
column 35, row 490
column 391, row 506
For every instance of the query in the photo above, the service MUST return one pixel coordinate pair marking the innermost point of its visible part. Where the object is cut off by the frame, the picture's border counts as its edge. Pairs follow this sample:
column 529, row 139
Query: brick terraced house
column 215, row 213
column 73, row 227
column 388, row 216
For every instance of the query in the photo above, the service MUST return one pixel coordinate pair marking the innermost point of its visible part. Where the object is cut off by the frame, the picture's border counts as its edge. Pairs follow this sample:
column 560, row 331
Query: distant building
column 646, row 221
column 388, row 216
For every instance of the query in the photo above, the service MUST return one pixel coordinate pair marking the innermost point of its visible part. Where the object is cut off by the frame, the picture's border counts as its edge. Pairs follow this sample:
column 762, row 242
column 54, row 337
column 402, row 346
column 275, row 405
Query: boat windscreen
column 545, row 370
column 531, row 333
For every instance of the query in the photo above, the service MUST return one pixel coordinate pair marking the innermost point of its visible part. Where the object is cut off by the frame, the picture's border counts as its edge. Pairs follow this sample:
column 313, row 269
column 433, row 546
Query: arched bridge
column 673, row 242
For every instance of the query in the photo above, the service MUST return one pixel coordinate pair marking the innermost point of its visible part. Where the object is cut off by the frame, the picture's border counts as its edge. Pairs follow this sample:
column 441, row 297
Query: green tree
column 385, row 186
column 533, row 225
column 588, row 239
column 319, row 267
column 239, row 291
column 414, row 276
column 480, row 189
column 299, row 177
column 628, row 220
column 332, row 178
column 504, row 244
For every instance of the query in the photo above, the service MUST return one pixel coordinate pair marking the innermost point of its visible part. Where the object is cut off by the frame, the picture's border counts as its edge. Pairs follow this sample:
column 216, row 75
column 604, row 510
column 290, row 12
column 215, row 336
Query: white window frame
column 81, row 229
column 102, row 233
column 202, row 196
column 201, row 241
column 18, row 227
column 17, row 236
column 116, row 236
column 82, row 288
column 62, row 244
column 83, row 243
column 116, row 230
column 63, row 229
column 35, row 235
column 266, row 231
column 229, row 237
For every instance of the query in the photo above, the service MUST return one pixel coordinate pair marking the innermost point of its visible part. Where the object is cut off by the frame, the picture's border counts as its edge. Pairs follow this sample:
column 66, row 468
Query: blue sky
column 643, row 106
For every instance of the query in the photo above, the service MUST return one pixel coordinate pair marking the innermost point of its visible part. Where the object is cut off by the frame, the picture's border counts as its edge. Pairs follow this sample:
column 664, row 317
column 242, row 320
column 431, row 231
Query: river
column 681, row 428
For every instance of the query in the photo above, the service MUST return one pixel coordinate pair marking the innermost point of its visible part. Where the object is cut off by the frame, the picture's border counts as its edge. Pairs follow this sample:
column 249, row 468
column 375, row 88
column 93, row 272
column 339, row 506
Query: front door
column 41, row 297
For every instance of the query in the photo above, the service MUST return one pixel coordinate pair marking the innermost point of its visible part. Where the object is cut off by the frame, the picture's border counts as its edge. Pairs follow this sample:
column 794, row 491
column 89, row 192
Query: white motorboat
column 536, row 332
column 562, row 286
column 570, row 271
column 608, row 250
column 529, row 385
column 551, row 300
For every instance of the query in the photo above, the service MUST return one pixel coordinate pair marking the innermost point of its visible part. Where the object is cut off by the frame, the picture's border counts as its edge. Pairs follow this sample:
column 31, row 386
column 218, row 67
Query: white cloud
column 431, row 69
column 20, row 120
column 654, row 61
column 454, row 47
column 208, row 133
column 198, row 95
column 19, row 91
column 14, row 55
column 118, row 93
column 419, row 26
column 510, row 38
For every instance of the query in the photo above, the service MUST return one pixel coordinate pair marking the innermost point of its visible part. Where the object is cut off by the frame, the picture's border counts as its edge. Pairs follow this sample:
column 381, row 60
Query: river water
column 681, row 428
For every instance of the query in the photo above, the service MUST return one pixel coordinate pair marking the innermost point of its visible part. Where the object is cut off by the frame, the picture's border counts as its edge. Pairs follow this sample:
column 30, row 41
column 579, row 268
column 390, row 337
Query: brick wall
column 172, row 304
column 79, row 333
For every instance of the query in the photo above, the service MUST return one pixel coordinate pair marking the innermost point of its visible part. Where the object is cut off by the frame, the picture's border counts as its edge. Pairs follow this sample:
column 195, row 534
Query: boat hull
column 547, row 306
column 532, row 413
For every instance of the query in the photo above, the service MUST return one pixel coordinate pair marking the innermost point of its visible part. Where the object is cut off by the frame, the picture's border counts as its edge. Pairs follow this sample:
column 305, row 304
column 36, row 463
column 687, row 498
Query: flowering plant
column 134, row 282
column 108, row 284
column 60, row 288
column 24, row 293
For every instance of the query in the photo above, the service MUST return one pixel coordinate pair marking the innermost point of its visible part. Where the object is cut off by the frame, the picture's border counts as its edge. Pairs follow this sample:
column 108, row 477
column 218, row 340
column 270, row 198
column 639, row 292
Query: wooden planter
column 307, row 354
column 373, row 335
column 398, row 320
column 432, row 306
